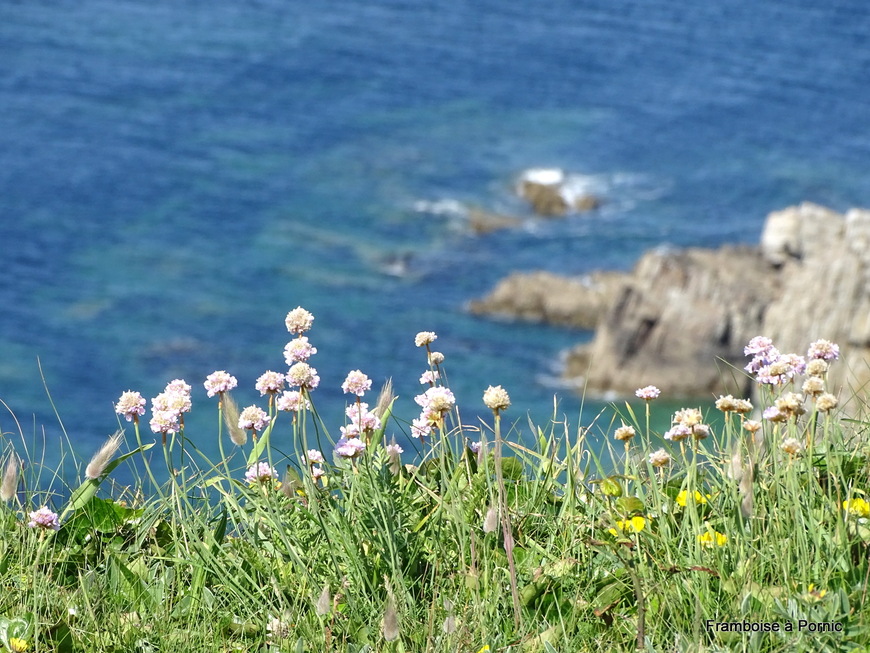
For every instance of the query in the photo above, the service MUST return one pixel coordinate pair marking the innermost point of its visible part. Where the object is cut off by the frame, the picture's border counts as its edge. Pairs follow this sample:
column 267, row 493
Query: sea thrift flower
column 688, row 417
column 826, row 402
column 314, row 457
column 823, row 350
column 752, row 425
column 349, row 447
column 678, row 433
column 178, row 386
column 726, row 404
column 429, row 377
column 350, row 431
column 131, row 405
column 648, row 393
column 857, row 507
column 624, row 433
column 496, row 398
column 317, row 472
column 360, row 416
column 791, row 404
column 299, row 320
column 298, row 351
column 817, row 367
column 425, row 338
column 171, row 400
column 475, row 446
column 270, row 383
column 712, row 538
column 164, row 421
column 774, row 414
column 659, row 458
column 303, row 375
column 292, row 400
column 394, row 450
column 356, row 383
column 253, row 418
column 98, row 463
column 260, row 473
column 436, row 358
column 791, row 446
column 44, row 518
column 439, row 400
column 420, row 428
column 219, row 382
column 700, row 431
column 814, row 386
column 758, row 345
column 9, row 484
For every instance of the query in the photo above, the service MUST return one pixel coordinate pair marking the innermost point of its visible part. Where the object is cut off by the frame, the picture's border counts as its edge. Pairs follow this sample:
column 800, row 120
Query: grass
column 551, row 537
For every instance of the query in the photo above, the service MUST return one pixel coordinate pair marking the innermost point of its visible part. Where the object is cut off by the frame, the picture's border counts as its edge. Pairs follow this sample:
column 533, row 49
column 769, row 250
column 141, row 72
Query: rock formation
column 550, row 194
column 681, row 318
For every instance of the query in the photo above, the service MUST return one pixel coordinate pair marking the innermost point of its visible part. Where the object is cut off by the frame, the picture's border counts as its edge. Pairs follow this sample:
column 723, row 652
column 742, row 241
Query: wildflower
column 774, row 414
column 9, row 484
column 823, row 350
column 350, row 431
column 171, row 401
column 219, row 382
column 429, row 377
column 659, row 458
column 425, row 338
column 260, row 473
column 758, row 345
column 726, row 404
column 813, row 594
column 624, row 433
column 420, row 428
column 298, row 350
column 298, row 320
column 634, row 525
column 131, row 405
column 302, row 375
column 791, row 446
column 356, row 383
column 178, row 386
column 688, row 417
column 712, row 538
column 394, row 450
column 699, row 499
column 826, row 402
column 317, row 472
column 270, row 383
column 496, row 398
column 164, row 421
column 791, row 404
column 648, row 393
column 817, row 367
column 349, row 447
column 362, row 418
column 44, row 518
column 475, row 446
column 18, row 645
column 814, row 386
column 314, row 457
column 700, row 431
column 857, row 507
column 438, row 400
column 277, row 629
column 253, row 418
column 292, row 400
column 752, row 425
column 98, row 463
column 742, row 406
column 677, row 433
column 436, row 358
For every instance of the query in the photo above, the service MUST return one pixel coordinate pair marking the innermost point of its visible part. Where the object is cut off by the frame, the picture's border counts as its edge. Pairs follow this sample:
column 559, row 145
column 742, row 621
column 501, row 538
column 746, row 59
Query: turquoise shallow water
column 174, row 179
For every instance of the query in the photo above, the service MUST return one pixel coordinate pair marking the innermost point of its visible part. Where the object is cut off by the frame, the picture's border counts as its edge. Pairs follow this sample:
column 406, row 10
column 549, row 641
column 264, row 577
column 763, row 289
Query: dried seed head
column 231, row 419
column 391, row 622
column 98, row 463
column 9, row 484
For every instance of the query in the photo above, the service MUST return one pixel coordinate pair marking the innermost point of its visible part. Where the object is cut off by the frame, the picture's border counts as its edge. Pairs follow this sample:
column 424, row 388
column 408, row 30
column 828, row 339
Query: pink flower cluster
column 168, row 407
column 298, row 351
column 769, row 366
column 292, row 400
column 260, row 473
column 687, row 422
column 270, row 383
column 131, row 405
column 435, row 402
column 219, row 382
column 253, row 418
column 356, row 383
column 349, row 447
column 44, row 518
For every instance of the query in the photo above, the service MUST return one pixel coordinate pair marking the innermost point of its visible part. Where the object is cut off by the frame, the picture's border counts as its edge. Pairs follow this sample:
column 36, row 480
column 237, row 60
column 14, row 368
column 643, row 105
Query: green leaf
column 511, row 468
column 261, row 444
column 629, row 505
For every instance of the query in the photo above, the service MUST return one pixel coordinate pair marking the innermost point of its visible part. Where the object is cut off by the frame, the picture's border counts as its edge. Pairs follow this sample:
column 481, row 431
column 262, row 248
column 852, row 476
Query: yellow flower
column 700, row 499
column 485, row 649
column 18, row 645
column 813, row 594
column 857, row 507
column 712, row 538
column 634, row 525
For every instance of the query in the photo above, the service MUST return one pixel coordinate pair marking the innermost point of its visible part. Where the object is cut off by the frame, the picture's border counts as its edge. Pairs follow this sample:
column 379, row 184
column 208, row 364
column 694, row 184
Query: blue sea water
column 175, row 177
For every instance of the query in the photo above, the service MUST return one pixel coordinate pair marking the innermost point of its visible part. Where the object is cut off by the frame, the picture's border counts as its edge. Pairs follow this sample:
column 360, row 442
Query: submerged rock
column 550, row 194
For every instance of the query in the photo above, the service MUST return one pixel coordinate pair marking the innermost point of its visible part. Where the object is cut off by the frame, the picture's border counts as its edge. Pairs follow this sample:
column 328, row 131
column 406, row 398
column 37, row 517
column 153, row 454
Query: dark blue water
column 175, row 177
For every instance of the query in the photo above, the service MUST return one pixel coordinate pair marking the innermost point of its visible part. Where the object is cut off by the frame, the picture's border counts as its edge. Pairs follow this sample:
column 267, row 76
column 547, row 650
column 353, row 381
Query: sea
column 176, row 176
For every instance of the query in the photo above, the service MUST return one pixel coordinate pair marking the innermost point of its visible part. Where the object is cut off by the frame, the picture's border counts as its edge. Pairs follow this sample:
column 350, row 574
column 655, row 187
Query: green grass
column 570, row 541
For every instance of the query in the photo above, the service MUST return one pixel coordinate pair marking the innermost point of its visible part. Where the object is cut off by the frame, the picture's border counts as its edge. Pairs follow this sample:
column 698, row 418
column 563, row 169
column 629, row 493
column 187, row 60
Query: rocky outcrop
column 546, row 297
column 550, row 194
column 681, row 318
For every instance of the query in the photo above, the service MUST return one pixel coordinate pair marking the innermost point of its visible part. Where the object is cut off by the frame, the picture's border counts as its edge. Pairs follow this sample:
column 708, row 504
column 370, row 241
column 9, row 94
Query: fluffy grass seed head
column 44, row 518
column 231, row 418
column 9, row 484
column 425, row 338
column 131, row 405
column 496, row 398
column 98, row 463
column 298, row 320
